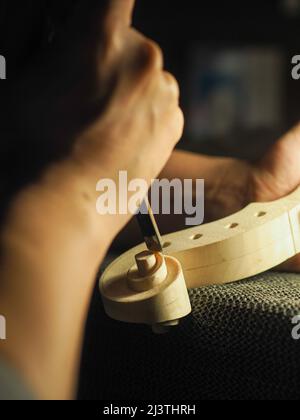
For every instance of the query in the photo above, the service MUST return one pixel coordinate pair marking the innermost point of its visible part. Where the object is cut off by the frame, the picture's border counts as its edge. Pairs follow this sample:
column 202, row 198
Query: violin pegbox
column 151, row 291
column 142, row 287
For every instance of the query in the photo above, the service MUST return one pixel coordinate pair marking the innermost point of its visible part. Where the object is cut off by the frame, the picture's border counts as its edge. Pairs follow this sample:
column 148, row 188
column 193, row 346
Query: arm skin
column 51, row 249
column 227, row 180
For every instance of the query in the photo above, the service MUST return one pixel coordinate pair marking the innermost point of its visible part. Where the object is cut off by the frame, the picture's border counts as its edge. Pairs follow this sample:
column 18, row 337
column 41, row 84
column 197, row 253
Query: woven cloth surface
column 237, row 344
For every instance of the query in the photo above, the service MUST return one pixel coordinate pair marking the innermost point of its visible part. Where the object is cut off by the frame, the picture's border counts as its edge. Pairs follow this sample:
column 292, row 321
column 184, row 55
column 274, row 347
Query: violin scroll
column 153, row 292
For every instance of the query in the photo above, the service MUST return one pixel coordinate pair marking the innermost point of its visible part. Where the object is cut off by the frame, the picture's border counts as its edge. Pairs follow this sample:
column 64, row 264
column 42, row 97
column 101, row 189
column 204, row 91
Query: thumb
column 279, row 172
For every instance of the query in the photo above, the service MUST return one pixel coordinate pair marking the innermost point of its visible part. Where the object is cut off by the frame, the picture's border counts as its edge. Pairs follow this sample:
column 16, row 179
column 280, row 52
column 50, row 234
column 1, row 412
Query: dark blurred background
column 233, row 62
column 232, row 59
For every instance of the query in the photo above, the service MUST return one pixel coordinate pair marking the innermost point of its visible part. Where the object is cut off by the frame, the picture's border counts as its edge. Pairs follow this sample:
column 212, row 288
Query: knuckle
column 175, row 126
column 108, row 49
column 154, row 55
column 172, row 84
column 180, row 123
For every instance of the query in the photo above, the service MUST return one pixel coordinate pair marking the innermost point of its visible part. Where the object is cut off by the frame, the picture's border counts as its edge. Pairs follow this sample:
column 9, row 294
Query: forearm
column 52, row 246
column 184, row 165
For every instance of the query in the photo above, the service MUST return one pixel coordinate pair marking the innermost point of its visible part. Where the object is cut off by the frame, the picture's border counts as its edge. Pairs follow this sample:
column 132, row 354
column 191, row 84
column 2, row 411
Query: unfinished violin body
column 256, row 239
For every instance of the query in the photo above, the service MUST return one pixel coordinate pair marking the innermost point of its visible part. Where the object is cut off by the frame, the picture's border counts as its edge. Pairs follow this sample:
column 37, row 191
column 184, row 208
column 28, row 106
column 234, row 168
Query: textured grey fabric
column 11, row 385
column 237, row 344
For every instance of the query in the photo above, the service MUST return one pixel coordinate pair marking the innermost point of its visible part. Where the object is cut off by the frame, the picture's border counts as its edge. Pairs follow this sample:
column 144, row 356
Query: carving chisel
column 149, row 228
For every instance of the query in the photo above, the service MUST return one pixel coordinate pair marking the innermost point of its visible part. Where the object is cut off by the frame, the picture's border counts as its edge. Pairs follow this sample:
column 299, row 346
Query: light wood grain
column 256, row 239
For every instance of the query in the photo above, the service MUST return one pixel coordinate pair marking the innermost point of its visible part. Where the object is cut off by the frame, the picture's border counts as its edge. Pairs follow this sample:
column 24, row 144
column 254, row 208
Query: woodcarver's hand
column 96, row 103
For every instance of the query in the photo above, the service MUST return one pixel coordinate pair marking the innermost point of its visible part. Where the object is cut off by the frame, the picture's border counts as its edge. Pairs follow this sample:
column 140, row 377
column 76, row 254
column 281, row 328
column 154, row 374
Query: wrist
column 60, row 209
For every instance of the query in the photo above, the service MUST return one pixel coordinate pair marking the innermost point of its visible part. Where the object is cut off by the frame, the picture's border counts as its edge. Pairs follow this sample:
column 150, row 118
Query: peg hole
column 261, row 214
column 196, row 237
column 232, row 226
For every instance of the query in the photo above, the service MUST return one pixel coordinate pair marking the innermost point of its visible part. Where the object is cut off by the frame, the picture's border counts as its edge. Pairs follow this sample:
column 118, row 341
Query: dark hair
column 25, row 26
column 25, row 29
